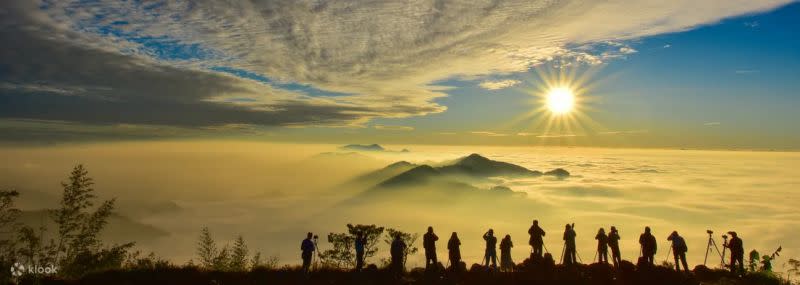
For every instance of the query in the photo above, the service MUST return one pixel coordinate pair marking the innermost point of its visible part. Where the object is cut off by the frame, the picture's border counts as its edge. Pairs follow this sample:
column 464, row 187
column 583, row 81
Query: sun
column 560, row 100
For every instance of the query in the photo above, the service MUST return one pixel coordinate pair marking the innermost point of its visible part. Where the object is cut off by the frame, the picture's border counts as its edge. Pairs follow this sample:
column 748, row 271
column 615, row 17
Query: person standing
column 454, row 250
column 491, row 248
column 506, row 263
column 397, row 251
column 360, row 244
column 537, row 238
column 649, row 245
column 569, row 245
column 307, row 248
column 737, row 252
column 429, row 243
column 602, row 246
column 613, row 243
column 679, row 250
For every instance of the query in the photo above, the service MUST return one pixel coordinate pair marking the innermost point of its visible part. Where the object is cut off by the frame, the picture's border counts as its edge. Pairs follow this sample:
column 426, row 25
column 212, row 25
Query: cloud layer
column 205, row 63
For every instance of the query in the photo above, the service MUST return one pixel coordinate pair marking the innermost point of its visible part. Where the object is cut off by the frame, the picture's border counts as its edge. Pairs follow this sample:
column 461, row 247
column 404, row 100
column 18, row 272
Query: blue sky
column 715, row 74
column 727, row 79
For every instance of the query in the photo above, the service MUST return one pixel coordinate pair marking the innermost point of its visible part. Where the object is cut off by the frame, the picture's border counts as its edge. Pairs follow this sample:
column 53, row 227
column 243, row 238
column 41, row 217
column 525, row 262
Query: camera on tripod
column 713, row 245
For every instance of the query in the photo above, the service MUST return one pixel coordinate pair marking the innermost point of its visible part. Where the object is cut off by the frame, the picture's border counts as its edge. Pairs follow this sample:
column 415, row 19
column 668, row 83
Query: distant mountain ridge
column 363, row 147
column 473, row 166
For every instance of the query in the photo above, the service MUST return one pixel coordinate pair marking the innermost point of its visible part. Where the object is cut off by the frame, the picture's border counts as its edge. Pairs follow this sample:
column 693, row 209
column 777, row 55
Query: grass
column 525, row 273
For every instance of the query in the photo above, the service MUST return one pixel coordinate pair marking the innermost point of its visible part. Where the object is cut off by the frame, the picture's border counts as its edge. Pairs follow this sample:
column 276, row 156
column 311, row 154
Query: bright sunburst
column 560, row 100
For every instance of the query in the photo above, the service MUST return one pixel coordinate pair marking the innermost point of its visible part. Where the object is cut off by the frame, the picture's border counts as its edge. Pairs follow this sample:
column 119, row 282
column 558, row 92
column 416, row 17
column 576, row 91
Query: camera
column 725, row 236
column 710, row 232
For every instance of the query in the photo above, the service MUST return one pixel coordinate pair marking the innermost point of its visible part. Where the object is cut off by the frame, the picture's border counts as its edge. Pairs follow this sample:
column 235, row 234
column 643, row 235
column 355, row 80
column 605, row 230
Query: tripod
column 668, row 252
column 315, row 256
column 711, row 242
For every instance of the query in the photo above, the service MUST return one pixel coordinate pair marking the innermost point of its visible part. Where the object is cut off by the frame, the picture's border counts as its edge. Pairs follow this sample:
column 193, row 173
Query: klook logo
column 18, row 269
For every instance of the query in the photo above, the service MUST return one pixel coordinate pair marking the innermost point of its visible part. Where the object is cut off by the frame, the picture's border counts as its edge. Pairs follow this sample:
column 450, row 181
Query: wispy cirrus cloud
column 747, row 71
column 393, row 128
column 296, row 63
column 711, row 124
column 490, row 134
column 499, row 84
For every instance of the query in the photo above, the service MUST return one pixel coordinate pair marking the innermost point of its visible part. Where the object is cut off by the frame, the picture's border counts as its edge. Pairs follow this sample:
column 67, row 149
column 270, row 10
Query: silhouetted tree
column 794, row 269
column 206, row 249
column 8, row 217
column 222, row 261
column 408, row 238
column 342, row 255
column 239, row 255
column 78, row 248
column 228, row 258
column 134, row 261
column 8, row 214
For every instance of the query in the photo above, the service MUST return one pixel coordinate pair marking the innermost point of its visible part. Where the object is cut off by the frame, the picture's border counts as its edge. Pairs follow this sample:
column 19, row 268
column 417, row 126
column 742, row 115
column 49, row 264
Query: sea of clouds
column 273, row 194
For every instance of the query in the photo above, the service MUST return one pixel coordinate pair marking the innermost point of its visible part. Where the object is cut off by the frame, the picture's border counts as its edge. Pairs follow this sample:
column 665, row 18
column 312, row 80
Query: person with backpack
column 454, row 250
column 613, row 243
column 649, row 246
column 307, row 248
column 679, row 250
column 506, row 263
column 537, row 238
column 429, row 243
column 602, row 246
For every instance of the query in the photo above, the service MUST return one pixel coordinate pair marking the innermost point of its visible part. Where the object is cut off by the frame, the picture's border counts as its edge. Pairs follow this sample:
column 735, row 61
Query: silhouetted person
column 737, row 252
column 506, row 264
column 602, row 246
column 569, row 245
column 360, row 244
column 679, row 250
column 454, row 249
column 491, row 251
column 307, row 247
column 398, row 253
column 429, row 243
column 537, row 238
column 649, row 245
column 613, row 243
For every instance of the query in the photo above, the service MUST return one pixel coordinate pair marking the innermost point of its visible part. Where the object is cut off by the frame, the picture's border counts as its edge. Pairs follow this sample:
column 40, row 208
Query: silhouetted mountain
column 558, row 172
column 385, row 173
column 416, row 175
column 475, row 165
column 446, row 181
column 363, row 147
column 471, row 166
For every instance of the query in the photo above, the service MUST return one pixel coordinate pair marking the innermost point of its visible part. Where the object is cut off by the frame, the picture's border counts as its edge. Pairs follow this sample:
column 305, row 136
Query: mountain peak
column 364, row 147
column 473, row 158
column 401, row 163
column 415, row 175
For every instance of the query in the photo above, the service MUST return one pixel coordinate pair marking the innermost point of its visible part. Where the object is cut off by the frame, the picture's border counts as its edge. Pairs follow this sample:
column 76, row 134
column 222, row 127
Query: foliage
column 228, row 258
column 8, row 214
column 97, row 260
column 342, row 254
column 134, row 261
column 206, row 249
column 408, row 238
column 270, row 263
column 795, row 267
column 239, row 260
column 8, row 217
column 77, row 248
column 752, row 263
